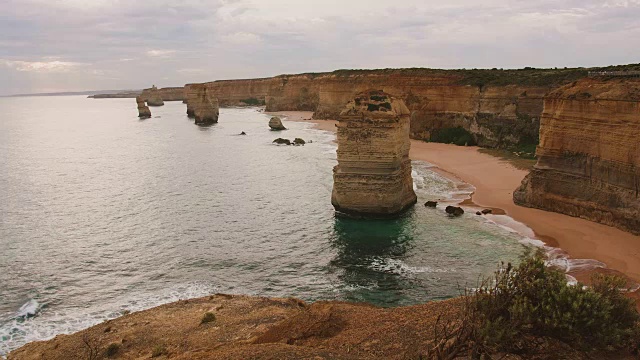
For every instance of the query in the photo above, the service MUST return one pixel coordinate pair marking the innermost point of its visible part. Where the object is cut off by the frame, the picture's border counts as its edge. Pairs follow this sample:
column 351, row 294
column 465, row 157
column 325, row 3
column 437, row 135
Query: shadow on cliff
column 368, row 258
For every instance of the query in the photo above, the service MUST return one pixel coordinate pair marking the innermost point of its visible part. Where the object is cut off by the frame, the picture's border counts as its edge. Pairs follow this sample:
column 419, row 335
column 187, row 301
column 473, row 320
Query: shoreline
column 494, row 180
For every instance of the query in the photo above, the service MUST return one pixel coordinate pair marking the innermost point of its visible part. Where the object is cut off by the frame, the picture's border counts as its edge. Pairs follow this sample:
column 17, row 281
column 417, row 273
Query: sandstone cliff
column 373, row 175
column 589, row 153
column 501, row 108
column 143, row 109
column 166, row 94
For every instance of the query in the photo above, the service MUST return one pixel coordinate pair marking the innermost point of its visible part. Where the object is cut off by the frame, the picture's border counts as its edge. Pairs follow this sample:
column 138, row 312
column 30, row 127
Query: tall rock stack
column 373, row 175
column 205, row 107
column 143, row 109
column 154, row 98
column 190, row 97
column 589, row 153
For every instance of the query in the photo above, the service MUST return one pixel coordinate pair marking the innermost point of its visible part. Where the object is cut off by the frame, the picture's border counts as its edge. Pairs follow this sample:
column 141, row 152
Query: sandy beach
column 495, row 180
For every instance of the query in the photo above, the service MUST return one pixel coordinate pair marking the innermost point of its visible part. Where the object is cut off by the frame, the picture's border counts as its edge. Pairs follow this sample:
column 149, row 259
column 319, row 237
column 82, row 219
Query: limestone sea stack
column 373, row 175
column 143, row 109
column 589, row 153
column 154, row 98
column 205, row 107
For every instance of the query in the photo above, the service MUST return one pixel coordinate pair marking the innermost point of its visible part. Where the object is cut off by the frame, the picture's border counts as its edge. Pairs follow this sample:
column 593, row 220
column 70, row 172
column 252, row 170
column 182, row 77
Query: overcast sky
column 66, row 45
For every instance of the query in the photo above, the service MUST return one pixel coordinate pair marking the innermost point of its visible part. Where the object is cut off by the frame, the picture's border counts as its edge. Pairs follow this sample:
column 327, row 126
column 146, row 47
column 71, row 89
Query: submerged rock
column 373, row 175
column 454, row 210
column 276, row 124
column 143, row 110
column 486, row 211
column 243, row 133
column 431, row 204
column 154, row 98
column 298, row 141
column 281, row 141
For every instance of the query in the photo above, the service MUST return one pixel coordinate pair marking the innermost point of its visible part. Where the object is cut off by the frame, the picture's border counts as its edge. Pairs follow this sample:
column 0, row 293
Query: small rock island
column 373, row 175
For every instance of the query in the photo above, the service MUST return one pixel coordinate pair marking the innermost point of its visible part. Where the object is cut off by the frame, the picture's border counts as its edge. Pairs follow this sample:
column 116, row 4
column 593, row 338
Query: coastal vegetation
column 453, row 135
column 530, row 308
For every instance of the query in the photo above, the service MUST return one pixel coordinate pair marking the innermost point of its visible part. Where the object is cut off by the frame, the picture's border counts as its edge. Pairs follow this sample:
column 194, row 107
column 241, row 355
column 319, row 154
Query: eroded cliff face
column 165, row 94
column 497, row 116
column 373, row 175
column 589, row 154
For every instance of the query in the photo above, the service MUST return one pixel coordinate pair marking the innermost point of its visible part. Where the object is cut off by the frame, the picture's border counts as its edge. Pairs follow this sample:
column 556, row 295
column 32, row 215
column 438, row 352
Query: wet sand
column 495, row 180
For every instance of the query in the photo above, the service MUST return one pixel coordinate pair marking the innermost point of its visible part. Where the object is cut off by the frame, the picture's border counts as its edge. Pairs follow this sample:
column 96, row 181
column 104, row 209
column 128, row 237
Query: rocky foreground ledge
column 243, row 327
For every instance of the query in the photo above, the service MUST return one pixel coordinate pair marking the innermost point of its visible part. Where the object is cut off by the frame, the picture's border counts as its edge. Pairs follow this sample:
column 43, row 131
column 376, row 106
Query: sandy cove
column 495, row 180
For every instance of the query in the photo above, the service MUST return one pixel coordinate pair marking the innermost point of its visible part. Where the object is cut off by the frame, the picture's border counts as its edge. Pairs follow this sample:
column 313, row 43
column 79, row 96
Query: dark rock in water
column 454, row 210
column 276, row 124
column 431, row 204
column 243, row 133
column 478, row 213
column 298, row 141
column 310, row 141
column 487, row 211
column 281, row 141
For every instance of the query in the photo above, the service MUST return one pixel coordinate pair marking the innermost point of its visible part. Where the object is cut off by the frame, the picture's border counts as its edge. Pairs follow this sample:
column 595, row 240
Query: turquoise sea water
column 101, row 213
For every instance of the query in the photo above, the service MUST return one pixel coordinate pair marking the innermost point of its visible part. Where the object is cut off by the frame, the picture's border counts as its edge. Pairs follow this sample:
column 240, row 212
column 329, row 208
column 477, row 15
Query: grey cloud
column 127, row 44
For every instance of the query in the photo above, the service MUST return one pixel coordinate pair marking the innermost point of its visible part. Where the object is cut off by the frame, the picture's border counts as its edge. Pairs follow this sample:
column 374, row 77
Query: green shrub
column 112, row 350
column 454, row 135
column 520, row 309
column 534, row 299
column 252, row 101
column 158, row 350
column 207, row 318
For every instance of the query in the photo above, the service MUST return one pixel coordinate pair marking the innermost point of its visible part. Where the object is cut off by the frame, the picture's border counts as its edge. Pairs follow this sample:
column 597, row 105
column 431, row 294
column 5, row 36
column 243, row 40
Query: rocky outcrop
column 205, row 107
column 276, row 124
column 143, row 109
column 191, row 97
column 373, row 175
column 166, row 94
column 589, row 153
column 153, row 97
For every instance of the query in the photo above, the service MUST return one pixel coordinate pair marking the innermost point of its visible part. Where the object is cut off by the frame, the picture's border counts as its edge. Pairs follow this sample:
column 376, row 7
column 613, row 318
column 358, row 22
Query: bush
column 455, row 135
column 112, row 350
column 207, row 318
column 158, row 350
column 533, row 301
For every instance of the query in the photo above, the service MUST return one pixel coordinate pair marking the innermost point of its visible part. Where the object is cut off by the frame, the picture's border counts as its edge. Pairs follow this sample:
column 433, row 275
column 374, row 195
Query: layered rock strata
column 373, row 175
column 154, row 98
column 589, row 154
column 143, row 109
column 166, row 94
column 205, row 107
column 499, row 108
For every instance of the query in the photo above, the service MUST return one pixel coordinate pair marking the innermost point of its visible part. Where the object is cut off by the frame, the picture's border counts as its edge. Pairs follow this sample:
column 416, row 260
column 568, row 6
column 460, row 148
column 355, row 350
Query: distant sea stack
column 143, row 110
column 154, row 98
column 373, row 175
column 205, row 107
column 589, row 153
column 190, row 97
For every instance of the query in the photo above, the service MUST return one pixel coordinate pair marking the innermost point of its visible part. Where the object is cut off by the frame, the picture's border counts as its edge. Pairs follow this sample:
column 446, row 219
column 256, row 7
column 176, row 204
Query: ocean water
column 102, row 213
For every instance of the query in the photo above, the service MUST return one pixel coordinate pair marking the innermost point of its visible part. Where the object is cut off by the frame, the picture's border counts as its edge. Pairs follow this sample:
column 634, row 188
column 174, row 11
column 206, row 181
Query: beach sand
column 495, row 180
